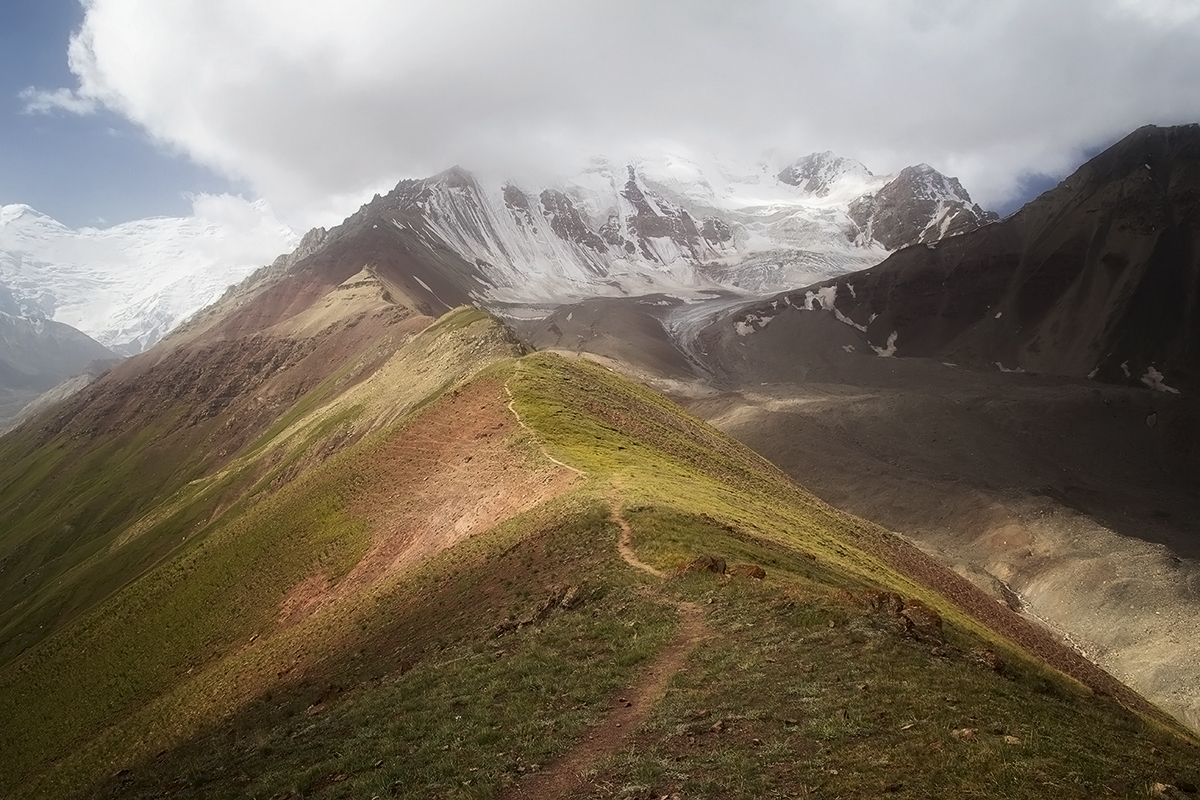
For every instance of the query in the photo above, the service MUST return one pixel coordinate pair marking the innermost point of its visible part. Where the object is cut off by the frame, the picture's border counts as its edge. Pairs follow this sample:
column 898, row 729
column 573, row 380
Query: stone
column 986, row 658
column 888, row 603
column 922, row 622
column 704, row 563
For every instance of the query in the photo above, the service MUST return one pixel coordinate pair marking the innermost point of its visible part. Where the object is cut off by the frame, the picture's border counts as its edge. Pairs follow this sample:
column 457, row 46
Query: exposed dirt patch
column 457, row 471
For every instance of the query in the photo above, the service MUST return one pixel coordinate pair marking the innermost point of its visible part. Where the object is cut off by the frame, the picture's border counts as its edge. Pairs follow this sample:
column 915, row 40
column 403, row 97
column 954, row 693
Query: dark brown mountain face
column 1097, row 278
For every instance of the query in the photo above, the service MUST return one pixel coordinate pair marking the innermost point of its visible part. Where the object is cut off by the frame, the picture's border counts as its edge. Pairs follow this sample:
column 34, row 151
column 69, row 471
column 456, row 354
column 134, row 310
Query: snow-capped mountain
column 127, row 285
column 37, row 354
column 674, row 223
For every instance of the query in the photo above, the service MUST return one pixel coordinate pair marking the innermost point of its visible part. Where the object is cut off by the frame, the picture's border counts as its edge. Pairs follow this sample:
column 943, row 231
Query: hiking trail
column 567, row 775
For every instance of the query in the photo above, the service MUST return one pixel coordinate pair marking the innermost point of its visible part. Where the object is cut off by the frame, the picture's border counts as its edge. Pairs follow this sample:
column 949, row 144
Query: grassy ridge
column 405, row 687
column 227, row 547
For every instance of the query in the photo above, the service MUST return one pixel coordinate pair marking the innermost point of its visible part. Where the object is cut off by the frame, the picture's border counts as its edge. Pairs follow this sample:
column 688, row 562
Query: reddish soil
column 455, row 472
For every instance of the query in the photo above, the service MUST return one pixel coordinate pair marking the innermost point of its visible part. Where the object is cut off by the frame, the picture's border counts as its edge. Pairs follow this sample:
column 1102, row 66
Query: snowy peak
column 675, row 222
column 820, row 174
column 918, row 206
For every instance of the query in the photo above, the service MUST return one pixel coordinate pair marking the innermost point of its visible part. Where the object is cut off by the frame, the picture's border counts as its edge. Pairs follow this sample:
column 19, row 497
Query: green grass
column 421, row 685
column 846, row 709
column 184, row 683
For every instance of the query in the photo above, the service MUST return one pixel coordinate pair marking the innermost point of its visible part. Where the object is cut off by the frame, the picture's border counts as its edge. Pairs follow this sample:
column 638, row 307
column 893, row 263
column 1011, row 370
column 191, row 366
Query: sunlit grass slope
column 326, row 634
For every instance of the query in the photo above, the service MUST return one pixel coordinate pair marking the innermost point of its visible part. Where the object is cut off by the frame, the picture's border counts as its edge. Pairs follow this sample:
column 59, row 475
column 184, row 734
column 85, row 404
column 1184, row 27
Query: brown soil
column 457, row 471
column 567, row 775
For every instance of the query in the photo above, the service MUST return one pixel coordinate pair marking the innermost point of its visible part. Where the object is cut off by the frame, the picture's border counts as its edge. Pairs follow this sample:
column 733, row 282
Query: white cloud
column 43, row 102
column 316, row 104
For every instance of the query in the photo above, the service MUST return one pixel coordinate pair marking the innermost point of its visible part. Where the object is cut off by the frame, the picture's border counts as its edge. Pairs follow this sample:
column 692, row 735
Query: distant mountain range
column 669, row 224
column 127, row 285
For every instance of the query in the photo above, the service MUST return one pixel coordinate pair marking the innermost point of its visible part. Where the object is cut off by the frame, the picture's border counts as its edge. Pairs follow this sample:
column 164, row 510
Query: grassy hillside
column 411, row 585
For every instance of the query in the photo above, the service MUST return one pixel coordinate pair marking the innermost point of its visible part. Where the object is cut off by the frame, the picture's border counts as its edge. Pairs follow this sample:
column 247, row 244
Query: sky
column 120, row 109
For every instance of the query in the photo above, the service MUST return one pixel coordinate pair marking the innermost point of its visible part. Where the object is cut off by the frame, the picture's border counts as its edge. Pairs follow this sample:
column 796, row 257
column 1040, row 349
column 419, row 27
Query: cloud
column 316, row 104
column 43, row 102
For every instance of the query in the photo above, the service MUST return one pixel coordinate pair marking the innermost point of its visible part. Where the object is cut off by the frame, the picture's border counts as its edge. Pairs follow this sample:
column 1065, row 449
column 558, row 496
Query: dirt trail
column 521, row 422
column 567, row 775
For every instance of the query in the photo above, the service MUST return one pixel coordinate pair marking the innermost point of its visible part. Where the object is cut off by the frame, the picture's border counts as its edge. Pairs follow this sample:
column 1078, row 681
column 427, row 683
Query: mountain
column 318, row 542
column 1019, row 399
column 669, row 224
column 127, row 285
column 1070, row 498
column 335, row 537
column 37, row 354
column 1097, row 278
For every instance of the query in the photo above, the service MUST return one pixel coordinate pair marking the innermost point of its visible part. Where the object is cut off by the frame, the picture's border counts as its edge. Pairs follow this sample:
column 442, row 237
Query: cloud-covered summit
column 315, row 105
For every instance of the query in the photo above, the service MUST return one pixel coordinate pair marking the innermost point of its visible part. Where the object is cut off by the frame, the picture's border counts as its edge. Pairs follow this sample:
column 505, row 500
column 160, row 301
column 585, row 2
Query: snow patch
column 844, row 319
column 826, row 295
column 1092, row 374
column 890, row 350
column 1000, row 366
column 1125, row 369
column 1154, row 379
column 751, row 323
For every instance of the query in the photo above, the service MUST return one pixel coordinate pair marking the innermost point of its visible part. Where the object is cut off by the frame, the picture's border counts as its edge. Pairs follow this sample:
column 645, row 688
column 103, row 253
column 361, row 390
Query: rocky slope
column 671, row 223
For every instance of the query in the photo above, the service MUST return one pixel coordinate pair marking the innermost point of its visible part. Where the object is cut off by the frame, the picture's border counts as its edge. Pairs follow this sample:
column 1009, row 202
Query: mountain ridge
column 334, row 536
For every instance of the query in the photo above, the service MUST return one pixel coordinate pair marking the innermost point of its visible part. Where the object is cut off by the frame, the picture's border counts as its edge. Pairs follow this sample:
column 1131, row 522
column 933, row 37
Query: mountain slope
column 1098, row 278
column 368, row 590
column 37, row 354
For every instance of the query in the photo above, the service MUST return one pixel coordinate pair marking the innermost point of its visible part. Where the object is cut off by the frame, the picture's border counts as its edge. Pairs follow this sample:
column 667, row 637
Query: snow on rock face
column 1154, row 379
column 890, row 349
column 129, row 284
column 674, row 222
column 821, row 174
column 919, row 205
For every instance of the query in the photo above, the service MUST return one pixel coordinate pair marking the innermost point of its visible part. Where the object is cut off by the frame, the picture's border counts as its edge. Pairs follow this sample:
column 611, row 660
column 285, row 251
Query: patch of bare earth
column 459, row 470
column 568, row 775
